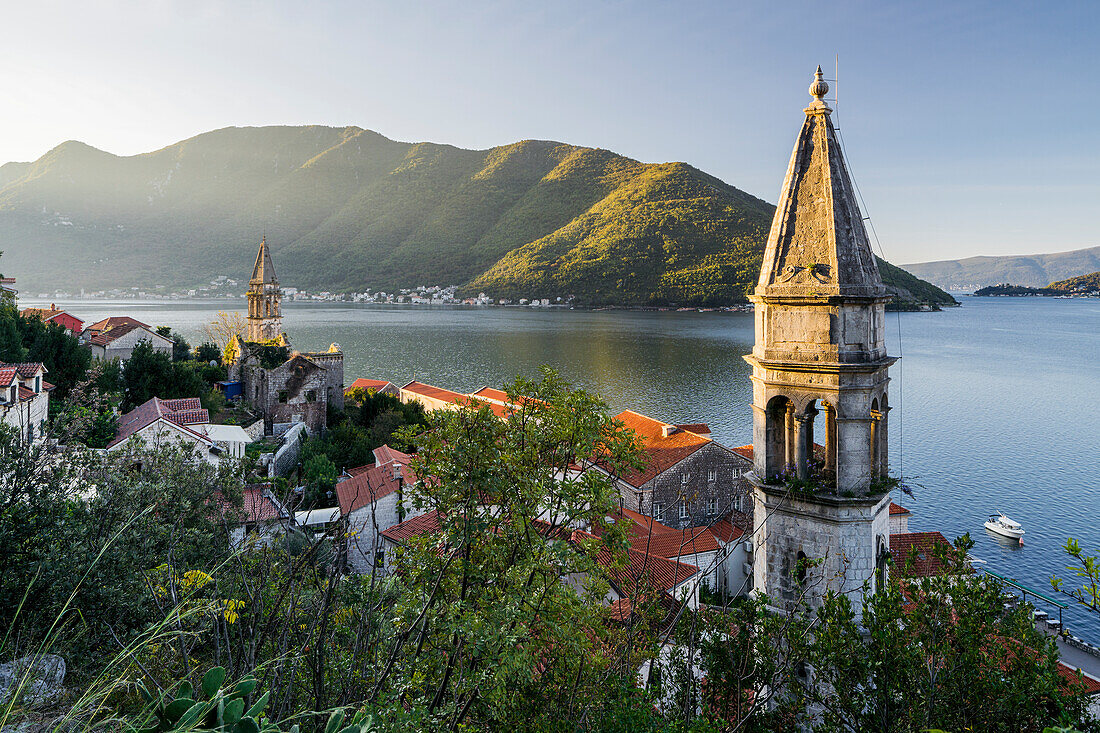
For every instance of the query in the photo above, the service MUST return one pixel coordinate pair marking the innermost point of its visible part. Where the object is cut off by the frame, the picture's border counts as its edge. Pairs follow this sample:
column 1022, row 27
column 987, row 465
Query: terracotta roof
column 182, row 412
column 699, row 428
column 386, row 454
column 636, row 525
column 415, row 527
column 1074, row 676
column 726, row 531
column 662, row 452
column 744, row 451
column 257, row 505
column 114, row 321
column 898, row 509
column 926, row 563
column 491, row 394
column 437, row 393
column 370, row 484
column 644, row 572
column 8, row 374
column 29, row 369
column 677, row 543
column 358, row 469
column 367, row 384
column 44, row 314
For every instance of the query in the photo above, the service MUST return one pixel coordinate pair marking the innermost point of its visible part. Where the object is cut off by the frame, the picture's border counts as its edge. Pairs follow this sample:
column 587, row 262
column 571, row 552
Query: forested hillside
column 346, row 209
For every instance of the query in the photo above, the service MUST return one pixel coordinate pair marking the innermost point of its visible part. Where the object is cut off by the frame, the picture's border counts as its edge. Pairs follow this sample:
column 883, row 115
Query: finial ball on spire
column 818, row 89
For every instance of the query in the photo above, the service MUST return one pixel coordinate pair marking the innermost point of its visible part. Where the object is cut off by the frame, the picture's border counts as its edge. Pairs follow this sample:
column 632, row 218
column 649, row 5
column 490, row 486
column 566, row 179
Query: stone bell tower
column 819, row 375
column 265, row 319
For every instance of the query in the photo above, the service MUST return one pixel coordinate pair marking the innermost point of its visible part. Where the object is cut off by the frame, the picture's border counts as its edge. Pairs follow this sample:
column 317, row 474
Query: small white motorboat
column 1002, row 525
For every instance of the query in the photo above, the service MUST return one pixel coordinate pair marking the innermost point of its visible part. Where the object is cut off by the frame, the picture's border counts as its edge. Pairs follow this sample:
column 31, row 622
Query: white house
column 25, row 399
column 116, row 337
column 372, row 500
column 160, row 422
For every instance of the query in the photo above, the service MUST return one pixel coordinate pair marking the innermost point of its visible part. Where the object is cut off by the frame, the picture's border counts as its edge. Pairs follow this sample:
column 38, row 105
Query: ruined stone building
column 819, row 373
column 284, row 385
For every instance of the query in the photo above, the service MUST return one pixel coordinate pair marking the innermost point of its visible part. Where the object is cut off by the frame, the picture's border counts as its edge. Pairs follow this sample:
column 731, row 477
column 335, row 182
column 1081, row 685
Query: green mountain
column 1081, row 283
column 348, row 209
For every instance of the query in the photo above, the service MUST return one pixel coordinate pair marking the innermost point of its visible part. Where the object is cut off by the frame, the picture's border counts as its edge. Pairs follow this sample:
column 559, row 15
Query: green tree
column 149, row 373
column 208, row 352
column 1087, row 568
column 66, row 361
column 181, row 350
column 319, row 475
column 487, row 634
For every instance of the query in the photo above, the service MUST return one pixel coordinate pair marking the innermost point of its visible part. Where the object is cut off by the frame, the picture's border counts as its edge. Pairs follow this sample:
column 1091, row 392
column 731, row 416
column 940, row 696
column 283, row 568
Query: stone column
column 791, row 454
column 830, row 438
column 803, row 446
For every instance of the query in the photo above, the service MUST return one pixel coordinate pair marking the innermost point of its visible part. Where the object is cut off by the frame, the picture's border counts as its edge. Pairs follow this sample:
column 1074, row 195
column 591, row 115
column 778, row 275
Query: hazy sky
column 969, row 126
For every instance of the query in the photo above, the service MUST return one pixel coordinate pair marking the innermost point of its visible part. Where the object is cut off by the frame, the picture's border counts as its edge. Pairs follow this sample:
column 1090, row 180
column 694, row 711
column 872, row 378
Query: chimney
column 667, row 430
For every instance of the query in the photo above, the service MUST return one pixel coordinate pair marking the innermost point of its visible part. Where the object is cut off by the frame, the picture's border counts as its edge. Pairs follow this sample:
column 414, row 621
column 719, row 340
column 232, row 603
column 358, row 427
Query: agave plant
column 217, row 709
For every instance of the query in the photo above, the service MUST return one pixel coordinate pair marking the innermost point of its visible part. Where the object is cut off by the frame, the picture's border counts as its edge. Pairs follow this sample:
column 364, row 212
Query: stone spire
column 265, row 317
column 818, row 244
column 264, row 269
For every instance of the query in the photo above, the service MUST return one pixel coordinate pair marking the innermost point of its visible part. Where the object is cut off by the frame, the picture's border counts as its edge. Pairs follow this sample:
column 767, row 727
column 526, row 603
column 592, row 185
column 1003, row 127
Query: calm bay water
column 997, row 403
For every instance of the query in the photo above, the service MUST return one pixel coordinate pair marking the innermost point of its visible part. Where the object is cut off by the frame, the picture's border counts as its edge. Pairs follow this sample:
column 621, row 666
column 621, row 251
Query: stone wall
column 690, row 483
column 286, row 458
column 255, row 430
column 843, row 534
column 333, row 364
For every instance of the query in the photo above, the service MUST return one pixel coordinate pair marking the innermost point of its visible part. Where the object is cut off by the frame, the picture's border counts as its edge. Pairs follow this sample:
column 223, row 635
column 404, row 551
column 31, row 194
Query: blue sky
column 969, row 125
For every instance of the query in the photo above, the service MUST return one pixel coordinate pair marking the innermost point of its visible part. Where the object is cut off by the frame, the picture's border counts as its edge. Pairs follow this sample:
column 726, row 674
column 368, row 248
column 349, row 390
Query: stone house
column 689, row 480
column 158, row 422
column 25, row 399
column 372, row 500
column 116, row 337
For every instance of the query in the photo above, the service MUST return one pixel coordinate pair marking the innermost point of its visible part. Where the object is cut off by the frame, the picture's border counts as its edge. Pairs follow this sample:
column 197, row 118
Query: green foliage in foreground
column 475, row 629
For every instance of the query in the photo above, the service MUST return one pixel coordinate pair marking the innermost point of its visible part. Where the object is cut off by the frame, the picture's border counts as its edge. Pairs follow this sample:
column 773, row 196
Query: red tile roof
column 661, row 452
column 744, row 451
column 372, row 483
column 257, row 506
column 726, row 531
column 435, row 393
column 677, row 543
column 8, row 373
column 898, row 509
column 415, row 527
column 368, row 384
column 699, row 428
column 644, row 572
column 636, row 525
column 1074, row 676
column 182, row 412
column 926, row 563
column 491, row 394
column 113, row 321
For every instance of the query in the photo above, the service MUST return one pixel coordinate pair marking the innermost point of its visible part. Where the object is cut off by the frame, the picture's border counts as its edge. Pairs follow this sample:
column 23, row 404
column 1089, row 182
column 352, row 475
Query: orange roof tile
column 661, row 452
column 436, row 393
column 926, row 563
column 367, row 384
column 898, row 509
column 417, row 526
column 677, row 543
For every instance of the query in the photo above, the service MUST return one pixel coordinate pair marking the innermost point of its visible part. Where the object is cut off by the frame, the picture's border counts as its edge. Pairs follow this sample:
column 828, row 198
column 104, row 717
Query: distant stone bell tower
column 265, row 319
column 819, row 375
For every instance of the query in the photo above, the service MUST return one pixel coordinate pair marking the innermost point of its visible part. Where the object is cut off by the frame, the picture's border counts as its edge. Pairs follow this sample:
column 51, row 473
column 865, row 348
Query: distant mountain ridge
column 348, row 209
column 1035, row 271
